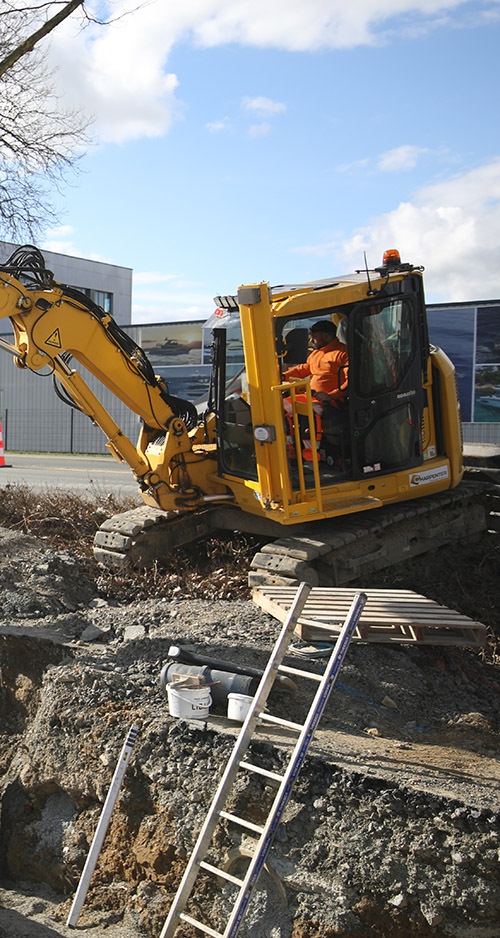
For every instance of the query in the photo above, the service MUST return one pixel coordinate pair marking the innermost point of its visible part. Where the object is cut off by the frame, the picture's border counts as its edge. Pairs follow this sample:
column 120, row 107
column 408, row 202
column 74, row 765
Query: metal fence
column 481, row 432
column 36, row 431
column 34, row 419
column 65, row 430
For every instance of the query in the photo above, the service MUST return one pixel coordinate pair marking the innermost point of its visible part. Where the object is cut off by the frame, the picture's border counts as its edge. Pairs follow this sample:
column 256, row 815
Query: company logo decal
column 428, row 476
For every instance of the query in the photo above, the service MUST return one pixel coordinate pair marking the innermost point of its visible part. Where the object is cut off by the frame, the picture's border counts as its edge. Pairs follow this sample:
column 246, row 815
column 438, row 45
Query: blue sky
column 279, row 140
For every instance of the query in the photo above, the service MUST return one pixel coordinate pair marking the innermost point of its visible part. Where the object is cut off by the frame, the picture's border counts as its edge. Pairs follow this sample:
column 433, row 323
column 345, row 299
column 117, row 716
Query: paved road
column 78, row 473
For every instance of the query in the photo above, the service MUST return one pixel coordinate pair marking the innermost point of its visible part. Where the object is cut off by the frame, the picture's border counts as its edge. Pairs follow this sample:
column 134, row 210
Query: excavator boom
column 55, row 326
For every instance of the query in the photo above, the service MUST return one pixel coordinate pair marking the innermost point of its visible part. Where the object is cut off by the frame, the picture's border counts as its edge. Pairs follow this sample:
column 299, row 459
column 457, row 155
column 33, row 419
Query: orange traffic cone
column 2, row 451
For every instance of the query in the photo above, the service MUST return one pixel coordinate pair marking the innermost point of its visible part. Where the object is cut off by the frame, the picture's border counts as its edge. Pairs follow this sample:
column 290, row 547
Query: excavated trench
column 393, row 826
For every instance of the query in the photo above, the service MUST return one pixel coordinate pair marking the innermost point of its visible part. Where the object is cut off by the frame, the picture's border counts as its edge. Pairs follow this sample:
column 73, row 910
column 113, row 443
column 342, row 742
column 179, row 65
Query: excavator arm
column 54, row 325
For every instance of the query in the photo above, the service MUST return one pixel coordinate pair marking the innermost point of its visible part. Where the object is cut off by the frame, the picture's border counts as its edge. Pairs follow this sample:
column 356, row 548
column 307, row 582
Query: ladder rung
column 309, row 674
column 200, row 926
column 222, row 873
column 260, row 771
column 280, row 722
column 240, row 820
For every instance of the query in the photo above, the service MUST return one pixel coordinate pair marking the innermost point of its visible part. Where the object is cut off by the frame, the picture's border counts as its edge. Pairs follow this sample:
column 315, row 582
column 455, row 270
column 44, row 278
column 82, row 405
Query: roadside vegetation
column 213, row 569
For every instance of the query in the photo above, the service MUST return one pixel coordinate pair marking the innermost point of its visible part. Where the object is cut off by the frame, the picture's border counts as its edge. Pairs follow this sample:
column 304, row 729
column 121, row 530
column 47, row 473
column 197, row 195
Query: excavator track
column 336, row 553
column 141, row 536
column 323, row 553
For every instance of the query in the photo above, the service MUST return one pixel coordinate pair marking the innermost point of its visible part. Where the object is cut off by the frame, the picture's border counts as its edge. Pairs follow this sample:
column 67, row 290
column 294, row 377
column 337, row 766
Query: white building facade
column 108, row 285
column 33, row 418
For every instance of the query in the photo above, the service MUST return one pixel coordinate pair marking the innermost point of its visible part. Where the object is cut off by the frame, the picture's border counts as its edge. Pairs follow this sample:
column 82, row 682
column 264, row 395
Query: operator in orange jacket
column 328, row 365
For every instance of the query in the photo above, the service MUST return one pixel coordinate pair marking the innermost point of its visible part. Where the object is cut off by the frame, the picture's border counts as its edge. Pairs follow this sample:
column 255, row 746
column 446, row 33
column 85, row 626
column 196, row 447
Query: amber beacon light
column 391, row 258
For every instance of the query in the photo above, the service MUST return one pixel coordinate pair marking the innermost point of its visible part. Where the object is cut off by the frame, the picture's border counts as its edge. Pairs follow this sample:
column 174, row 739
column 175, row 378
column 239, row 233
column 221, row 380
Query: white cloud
column 356, row 164
column 263, row 106
column 321, row 249
column 58, row 246
column 145, row 277
column 290, row 24
column 119, row 72
column 216, row 126
column 55, row 241
column 259, row 130
column 59, row 231
column 58, row 240
column 400, row 158
column 160, row 297
column 452, row 228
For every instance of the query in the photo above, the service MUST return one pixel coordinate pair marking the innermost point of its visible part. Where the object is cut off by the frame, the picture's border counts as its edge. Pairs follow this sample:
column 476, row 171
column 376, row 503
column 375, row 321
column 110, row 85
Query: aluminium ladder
column 285, row 782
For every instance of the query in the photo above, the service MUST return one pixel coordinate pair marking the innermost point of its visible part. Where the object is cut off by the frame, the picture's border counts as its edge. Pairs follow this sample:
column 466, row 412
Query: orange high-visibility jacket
column 328, row 367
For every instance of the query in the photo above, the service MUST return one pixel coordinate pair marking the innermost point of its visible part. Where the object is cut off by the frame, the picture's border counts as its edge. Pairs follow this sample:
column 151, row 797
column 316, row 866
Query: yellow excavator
column 385, row 483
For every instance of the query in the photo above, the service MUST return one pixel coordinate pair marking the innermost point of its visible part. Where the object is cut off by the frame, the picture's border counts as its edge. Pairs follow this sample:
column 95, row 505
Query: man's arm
column 298, row 371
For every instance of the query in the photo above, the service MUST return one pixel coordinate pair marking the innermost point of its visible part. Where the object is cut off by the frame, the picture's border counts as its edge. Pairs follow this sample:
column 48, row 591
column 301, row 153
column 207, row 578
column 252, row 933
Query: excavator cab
column 400, row 415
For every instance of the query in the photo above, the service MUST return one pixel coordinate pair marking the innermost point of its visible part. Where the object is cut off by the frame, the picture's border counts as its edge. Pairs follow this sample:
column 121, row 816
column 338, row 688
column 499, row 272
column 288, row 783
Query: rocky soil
column 393, row 826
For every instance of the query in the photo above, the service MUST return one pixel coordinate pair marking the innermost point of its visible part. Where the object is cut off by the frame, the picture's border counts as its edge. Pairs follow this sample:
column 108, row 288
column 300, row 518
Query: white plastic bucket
column 190, row 703
column 238, row 706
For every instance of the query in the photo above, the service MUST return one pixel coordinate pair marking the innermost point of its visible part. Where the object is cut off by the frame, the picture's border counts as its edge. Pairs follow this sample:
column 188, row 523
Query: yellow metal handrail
column 304, row 409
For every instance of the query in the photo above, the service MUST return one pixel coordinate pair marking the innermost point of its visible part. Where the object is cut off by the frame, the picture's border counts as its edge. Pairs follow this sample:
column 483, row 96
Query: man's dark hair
column 324, row 325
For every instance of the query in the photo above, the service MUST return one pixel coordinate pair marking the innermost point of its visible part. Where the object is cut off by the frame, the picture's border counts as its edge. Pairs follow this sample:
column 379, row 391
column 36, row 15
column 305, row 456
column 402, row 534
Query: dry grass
column 214, row 569
column 65, row 521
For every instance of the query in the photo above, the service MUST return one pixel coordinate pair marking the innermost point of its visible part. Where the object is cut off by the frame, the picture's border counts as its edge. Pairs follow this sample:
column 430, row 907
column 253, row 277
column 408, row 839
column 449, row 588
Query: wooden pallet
column 388, row 616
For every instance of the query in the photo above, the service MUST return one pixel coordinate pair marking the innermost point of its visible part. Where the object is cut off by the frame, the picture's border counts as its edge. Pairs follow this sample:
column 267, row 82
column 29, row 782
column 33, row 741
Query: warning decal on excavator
column 54, row 339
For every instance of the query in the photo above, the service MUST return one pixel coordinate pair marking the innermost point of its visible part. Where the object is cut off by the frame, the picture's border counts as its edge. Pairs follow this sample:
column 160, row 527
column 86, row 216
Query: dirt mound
column 392, row 828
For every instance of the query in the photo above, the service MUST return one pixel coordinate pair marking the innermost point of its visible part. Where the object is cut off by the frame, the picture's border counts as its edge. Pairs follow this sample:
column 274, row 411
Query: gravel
column 392, row 828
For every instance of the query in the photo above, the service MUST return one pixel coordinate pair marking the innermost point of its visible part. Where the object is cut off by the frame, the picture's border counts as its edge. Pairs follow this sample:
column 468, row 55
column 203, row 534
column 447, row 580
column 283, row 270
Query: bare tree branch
column 40, row 140
column 27, row 45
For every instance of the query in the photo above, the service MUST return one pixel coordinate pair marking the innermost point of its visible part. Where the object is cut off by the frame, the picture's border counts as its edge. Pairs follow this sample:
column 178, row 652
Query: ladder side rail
column 247, row 731
column 295, row 764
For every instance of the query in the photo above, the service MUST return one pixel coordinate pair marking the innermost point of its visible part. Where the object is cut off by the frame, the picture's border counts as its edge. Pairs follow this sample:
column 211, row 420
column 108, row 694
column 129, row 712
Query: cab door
column 386, row 396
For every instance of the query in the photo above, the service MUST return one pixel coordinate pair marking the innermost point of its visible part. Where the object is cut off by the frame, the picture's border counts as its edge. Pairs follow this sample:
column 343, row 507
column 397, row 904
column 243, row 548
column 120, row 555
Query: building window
column 103, row 299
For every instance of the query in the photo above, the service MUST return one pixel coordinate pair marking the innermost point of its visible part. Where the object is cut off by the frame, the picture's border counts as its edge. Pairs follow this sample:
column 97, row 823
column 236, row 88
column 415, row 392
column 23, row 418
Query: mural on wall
column 189, row 382
column 487, row 396
column 453, row 330
column 175, row 350
column 487, row 371
column 488, row 336
column 470, row 336
column 173, row 343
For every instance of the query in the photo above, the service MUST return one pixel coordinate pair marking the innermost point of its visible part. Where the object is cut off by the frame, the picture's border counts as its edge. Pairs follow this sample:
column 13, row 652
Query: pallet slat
column 399, row 616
